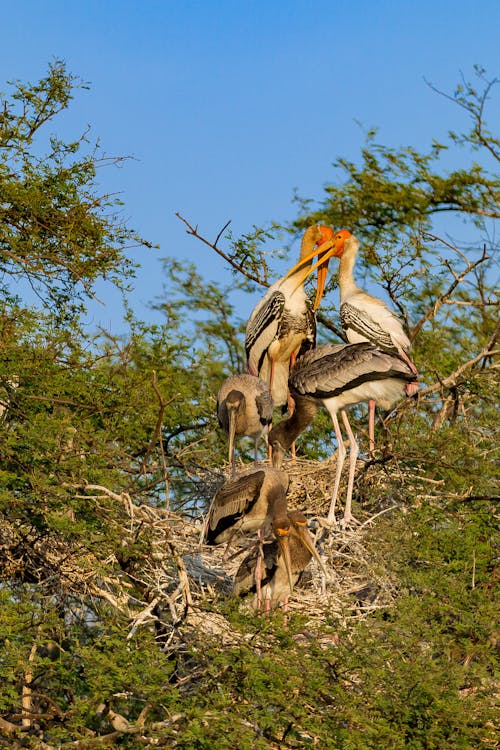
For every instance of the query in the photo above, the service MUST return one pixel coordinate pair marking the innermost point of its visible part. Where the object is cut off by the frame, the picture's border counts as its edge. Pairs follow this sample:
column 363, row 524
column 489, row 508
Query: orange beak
column 331, row 246
column 324, row 250
column 322, row 266
column 308, row 543
column 284, row 546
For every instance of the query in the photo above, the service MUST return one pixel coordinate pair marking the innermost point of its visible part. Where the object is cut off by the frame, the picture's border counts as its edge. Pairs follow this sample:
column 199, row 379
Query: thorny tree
column 113, row 623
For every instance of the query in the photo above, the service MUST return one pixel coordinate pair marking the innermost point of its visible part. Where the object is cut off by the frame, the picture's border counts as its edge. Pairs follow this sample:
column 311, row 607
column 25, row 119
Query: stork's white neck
column 347, row 285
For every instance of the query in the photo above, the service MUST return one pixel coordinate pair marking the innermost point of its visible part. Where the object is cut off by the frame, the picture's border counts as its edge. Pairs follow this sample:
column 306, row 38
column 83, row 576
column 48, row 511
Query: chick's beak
column 285, row 551
column 308, row 543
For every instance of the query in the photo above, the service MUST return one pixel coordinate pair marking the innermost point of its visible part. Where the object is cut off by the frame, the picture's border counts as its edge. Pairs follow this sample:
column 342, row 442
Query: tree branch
column 157, row 435
column 451, row 380
column 458, row 278
column 237, row 266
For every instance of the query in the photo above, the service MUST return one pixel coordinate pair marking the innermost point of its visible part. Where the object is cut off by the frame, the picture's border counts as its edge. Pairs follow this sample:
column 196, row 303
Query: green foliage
column 57, row 235
column 399, row 190
column 109, row 449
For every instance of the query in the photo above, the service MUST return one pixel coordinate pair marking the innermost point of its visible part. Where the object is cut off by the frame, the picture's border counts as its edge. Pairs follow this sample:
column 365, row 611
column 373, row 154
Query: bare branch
column 476, row 111
column 452, row 379
column 222, row 232
column 458, row 278
column 327, row 323
column 237, row 266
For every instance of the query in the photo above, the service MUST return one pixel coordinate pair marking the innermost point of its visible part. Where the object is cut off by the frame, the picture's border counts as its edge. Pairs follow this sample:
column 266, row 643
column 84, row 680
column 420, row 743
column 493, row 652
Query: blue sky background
column 229, row 106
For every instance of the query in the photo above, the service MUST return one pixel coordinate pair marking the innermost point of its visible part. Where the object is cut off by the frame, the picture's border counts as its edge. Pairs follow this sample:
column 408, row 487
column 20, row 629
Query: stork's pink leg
column 341, row 451
column 291, row 408
column 371, row 426
column 353, row 455
column 410, row 388
column 271, row 378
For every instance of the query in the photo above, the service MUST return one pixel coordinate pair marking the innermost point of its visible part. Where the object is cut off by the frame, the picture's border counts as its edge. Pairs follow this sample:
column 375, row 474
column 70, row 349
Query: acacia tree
column 443, row 287
column 91, row 427
column 57, row 233
column 113, row 628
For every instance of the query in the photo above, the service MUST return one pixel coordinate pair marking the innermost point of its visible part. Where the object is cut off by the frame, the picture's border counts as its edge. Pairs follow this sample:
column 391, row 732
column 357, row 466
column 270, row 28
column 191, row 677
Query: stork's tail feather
column 411, row 388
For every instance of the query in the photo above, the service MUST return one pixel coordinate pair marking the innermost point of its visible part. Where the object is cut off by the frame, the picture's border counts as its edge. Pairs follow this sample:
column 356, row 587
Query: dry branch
column 193, row 231
column 444, row 298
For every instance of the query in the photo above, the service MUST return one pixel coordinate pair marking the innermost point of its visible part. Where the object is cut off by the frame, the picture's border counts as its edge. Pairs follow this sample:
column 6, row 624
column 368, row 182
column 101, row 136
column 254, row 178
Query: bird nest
column 175, row 583
column 353, row 586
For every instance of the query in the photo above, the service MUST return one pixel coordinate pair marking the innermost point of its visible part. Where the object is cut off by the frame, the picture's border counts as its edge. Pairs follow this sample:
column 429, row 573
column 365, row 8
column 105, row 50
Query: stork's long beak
column 324, row 252
column 322, row 273
column 308, row 543
column 284, row 546
column 232, row 433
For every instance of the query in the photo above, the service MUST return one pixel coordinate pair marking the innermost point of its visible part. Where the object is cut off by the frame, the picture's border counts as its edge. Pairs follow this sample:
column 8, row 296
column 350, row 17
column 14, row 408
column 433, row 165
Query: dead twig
column 457, row 279
column 193, row 231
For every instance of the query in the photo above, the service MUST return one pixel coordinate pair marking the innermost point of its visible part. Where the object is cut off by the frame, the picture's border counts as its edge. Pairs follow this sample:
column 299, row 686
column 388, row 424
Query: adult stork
column 338, row 376
column 254, row 500
column 244, row 407
column 365, row 317
column 275, row 582
column 283, row 324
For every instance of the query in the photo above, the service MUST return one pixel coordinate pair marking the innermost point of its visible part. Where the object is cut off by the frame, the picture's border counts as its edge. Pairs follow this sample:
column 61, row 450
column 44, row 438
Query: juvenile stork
column 244, row 407
column 337, row 377
column 283, row 324
column 275, row 582
column 254, row 500
column 246, row 503
column 365, row 317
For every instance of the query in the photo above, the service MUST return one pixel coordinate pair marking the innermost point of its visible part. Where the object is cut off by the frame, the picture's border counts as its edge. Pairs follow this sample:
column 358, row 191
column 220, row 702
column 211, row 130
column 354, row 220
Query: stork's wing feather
column 264, row 403
column 262, row 328
column 310, row 339
column 329, row 370
column 235, row 497
column 373, row 321
column 358, row 321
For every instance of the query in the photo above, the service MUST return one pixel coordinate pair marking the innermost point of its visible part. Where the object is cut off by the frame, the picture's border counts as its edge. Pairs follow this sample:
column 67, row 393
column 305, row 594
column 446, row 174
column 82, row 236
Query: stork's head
column 340, row 237
column 299, row 522
column 328, row 244
column 281, row 529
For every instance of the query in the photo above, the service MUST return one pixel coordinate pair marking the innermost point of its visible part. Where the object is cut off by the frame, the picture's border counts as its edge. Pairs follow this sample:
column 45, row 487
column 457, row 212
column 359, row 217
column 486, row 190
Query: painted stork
column 246, row 503
column 276, row 582
column 338, row 376
column 244, row 407
column 365, row 317
column 254, row 500
column 283, row 324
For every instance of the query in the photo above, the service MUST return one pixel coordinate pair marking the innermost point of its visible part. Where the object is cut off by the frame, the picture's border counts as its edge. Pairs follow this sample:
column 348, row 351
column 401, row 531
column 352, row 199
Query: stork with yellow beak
column 282, row 326
column 364, row 317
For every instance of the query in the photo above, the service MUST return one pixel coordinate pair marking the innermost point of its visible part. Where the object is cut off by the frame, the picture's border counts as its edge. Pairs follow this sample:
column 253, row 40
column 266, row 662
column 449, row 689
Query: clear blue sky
column 229, row 106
